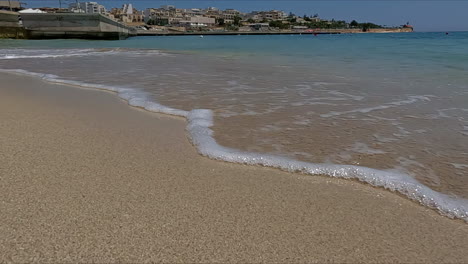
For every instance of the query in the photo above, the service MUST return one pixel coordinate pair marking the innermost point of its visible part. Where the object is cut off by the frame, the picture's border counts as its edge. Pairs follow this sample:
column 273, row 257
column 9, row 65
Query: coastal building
column 87, row 7
column 163, row 15
column 272, row 15
column 214, row 12
column 127, row 9
column 266, row 15
column 229, row 14
column 170, row 15
column 128, row 15
column 10, row 5
column 194, row 12
column 198, row 21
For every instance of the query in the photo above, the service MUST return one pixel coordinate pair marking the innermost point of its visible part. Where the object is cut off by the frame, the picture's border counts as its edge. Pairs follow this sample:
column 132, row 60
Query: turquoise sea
column 387, row 109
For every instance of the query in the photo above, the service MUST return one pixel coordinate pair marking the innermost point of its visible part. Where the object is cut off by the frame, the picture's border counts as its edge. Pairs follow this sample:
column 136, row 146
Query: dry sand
column 86, row 178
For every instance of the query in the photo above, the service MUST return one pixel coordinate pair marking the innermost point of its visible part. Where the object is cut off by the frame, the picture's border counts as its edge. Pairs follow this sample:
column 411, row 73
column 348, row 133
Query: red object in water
column 315, row 34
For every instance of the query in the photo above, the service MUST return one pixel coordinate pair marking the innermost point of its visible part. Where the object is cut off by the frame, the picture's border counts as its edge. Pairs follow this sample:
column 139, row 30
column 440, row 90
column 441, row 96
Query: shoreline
column 200, row 121
column 92, row 179
column 261, row 33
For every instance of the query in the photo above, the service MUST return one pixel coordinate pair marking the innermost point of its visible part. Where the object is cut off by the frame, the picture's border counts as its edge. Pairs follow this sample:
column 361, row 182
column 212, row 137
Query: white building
column 87, row 7
column 127, row 9
column 198, row 21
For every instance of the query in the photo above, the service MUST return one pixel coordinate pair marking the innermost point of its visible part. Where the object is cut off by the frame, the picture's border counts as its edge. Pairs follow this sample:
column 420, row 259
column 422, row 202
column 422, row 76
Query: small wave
column 353, row 97
column 411, row 99
column 200, row 134
column 43, row 56
column 13, row 54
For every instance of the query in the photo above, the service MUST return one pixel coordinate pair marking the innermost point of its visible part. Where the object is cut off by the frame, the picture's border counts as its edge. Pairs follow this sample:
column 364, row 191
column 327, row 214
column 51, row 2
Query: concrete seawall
column 61, row 25
column 9, row 19
column 72, row 25
column 9, row 25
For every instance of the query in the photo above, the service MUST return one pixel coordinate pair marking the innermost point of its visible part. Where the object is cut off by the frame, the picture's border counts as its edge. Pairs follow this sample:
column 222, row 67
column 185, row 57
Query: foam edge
column 201, row 136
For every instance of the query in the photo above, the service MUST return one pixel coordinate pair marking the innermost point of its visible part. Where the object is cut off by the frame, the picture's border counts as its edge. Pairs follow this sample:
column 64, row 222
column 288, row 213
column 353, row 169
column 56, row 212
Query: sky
column 435, row 15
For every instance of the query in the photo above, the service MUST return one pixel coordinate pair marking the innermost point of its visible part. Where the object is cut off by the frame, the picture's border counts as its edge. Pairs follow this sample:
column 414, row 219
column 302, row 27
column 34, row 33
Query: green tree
column 278, row 24
column 250, row 20
column 237, row 20
column 220, row 21
column 232, row 27
column 162, row 22
column 354, row 23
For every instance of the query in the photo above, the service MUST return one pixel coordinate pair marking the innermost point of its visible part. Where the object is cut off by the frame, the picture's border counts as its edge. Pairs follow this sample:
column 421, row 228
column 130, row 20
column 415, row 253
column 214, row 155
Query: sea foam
column 200, row 134
column 12, row 54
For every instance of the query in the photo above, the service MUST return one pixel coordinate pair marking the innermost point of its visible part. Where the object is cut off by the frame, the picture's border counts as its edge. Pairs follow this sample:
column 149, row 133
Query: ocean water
column 390, row 110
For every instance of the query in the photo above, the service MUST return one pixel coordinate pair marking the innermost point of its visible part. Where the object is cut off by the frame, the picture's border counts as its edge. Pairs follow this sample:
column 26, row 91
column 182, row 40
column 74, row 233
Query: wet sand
column 86, row 178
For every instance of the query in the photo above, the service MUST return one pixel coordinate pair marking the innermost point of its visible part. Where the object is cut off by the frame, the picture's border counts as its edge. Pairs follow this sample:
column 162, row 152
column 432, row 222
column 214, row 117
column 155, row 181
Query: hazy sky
column 423, row 15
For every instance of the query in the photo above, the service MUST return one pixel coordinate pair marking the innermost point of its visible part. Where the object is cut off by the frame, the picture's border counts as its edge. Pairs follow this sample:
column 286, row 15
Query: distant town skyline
column 423, row 15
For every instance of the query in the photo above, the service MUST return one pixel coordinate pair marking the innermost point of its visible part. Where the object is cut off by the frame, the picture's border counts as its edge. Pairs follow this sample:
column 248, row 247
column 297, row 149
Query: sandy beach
column 86, row 178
